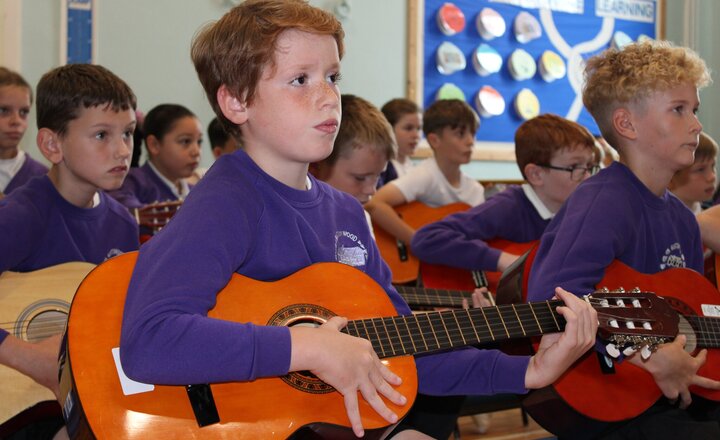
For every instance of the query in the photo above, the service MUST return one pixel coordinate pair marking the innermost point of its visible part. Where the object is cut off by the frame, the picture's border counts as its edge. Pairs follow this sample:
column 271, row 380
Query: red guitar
column 95, row 405
column 153, row 217
column 403, row 264
column 445, row 277
column 585, row 398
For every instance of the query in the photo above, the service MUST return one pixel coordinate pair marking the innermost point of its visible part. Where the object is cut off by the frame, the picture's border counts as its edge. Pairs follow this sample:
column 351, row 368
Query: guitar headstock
column 632, row 321
column 157, row 215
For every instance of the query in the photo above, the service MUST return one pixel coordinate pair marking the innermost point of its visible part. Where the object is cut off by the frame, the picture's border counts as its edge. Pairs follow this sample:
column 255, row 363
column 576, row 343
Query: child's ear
column 622, row 120
column 533, row 174
column 48, row 143
column 234, row 108
column 153, row 145
column 433, row 139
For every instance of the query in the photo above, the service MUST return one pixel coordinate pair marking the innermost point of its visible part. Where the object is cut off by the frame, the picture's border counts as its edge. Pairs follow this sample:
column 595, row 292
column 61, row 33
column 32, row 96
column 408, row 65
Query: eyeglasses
column 576, row 173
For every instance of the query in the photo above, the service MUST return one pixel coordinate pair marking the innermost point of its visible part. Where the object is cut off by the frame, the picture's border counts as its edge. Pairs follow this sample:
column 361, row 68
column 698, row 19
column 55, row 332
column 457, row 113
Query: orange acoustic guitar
column 588, row 398
column 404, row 265
column 445, row 277
column 296, row 404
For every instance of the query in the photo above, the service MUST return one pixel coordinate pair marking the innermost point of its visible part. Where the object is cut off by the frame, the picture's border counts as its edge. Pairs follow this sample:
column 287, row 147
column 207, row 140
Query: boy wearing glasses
column 554, row 156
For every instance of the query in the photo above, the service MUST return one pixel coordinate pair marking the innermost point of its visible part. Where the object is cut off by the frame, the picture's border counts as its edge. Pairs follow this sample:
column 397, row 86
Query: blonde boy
column 270, row 70
column 644, row 99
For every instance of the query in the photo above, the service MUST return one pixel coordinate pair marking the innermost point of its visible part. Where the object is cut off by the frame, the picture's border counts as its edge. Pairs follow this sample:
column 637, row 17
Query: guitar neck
column 424, row 297
column 427, row 332
column 707, row 330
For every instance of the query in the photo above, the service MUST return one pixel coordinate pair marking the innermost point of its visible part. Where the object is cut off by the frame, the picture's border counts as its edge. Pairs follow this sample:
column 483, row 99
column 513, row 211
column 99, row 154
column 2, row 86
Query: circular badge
column 450, row 19
column 486, row 60
column 552, row 66
column 489, row 102
column 450, row 59
column 449, row 91
column 526, row 27
column 527, row 104
column 490, row 24
column 521, row 65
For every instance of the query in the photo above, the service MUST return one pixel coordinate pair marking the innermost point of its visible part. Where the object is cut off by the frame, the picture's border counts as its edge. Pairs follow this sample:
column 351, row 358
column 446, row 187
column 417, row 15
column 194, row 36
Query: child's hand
column 674, row 370
column 38, row 360
column 558, row 351
column 349, row 364
column 479, row 299
column 505, row 261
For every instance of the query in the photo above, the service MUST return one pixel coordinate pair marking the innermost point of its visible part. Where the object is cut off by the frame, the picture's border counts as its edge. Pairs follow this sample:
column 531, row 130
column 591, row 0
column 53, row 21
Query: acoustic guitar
column 35, row 306
column 595, row 394
column 403, row 264
column 446, row 277
column 299, row 403
column 154, row 216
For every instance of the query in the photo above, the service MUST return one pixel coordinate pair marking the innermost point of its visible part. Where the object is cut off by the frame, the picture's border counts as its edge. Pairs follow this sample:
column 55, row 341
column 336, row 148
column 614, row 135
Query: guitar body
column 34, row 306
column 264, row 408
column 438, row 276
column 585, row 399
column 405, row 266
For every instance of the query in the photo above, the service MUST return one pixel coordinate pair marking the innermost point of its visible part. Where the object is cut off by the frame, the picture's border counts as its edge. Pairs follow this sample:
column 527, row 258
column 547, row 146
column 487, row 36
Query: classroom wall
column 147, row 44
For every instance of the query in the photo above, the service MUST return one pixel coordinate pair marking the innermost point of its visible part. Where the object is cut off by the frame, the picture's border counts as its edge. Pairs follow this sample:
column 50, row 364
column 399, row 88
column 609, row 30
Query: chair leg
column 524, row 416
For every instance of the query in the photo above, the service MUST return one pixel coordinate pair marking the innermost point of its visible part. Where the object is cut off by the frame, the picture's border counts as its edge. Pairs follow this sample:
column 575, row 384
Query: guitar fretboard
column 416, row 296
column 707, row 330
column 427, row 332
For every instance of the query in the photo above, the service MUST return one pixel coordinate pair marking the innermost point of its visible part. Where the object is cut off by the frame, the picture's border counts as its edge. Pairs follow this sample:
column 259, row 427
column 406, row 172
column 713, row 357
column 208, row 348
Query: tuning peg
column 629, row 351
column 645, row 352
column 612, row 350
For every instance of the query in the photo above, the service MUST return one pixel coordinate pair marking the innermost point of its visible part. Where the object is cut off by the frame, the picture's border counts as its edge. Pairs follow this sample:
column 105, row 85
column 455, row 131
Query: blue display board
column 574, row 29
column 79, row 31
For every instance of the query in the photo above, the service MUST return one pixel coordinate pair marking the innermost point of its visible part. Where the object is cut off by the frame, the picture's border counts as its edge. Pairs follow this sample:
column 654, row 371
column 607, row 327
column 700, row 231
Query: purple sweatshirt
column 239, row 219
column 141, row 187
column 613, row 215
column 459, row 239
column 39, row 228
column 29, row 169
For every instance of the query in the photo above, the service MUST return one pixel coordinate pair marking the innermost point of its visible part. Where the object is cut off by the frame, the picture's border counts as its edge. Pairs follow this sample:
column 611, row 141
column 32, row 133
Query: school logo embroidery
column 349, row 249
column 673, row 257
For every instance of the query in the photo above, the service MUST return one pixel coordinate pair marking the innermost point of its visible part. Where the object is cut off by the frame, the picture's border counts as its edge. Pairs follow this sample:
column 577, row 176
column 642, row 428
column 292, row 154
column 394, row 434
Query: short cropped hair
column 539, row 138
column 453, row 113
column 161, row 119
column 707, row 148
column 64, row 91
column 11, row 78
column 396, row 108
column 234, row 50
column 362, row 124
column 618, row 77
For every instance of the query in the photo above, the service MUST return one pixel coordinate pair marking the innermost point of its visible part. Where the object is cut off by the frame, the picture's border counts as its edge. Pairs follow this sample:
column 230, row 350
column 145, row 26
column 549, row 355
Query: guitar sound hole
column 45, row 324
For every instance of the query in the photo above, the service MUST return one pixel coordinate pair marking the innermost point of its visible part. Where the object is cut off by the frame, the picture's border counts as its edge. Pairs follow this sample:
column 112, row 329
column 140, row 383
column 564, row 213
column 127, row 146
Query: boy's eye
column 3, row 110
column 335, row 78
column 24, row 112
column 100, row 135
column 300, row 80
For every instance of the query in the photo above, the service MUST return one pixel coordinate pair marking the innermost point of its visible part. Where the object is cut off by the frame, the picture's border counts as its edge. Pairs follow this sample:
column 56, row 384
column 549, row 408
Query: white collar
column 540, row 207
column 184, row 187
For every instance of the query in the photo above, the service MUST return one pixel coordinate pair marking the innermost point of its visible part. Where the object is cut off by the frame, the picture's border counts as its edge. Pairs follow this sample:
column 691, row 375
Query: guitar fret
column 532, row 309
column 410, row 334
column 459, row 328
column 502, row 320
column 392, row 346
column 519, row 321
column 442, row 321
column 397, row 331
column 487, row 322
column 557, row 326
column 377, row 334
column 432, row 328
column 420, row 332
column 472, row 325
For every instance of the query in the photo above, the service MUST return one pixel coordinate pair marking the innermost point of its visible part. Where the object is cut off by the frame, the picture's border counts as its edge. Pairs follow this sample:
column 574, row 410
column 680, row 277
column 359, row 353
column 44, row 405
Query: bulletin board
column 77, row 39
column 574, row 29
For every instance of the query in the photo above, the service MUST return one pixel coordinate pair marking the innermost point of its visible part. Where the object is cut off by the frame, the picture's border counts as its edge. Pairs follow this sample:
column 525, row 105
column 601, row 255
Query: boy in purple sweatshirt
column 554, row 155
column 644, row 99
column 16, row 166
column 258, row 213
column 86, row 118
